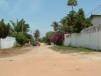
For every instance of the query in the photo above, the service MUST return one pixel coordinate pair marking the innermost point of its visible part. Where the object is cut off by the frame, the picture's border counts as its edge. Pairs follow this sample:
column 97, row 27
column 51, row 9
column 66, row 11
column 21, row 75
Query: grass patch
column 69, row 49
column 14, row 51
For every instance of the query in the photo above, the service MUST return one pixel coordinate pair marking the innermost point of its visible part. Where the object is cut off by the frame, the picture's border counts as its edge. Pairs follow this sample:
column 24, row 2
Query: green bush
column 32, row 42
column 13, row 34
column 21, row 38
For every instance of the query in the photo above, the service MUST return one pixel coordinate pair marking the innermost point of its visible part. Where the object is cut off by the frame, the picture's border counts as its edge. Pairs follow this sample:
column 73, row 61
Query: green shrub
column 13, row 34
column 21, row 38
column 32, row 42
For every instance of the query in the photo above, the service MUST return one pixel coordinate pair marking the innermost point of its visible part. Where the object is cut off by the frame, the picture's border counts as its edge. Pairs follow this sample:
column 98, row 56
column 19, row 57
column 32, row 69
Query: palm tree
column 55, row 26
column 37, row 35
column 20, row 26
column 4, row 30
column 72, row 3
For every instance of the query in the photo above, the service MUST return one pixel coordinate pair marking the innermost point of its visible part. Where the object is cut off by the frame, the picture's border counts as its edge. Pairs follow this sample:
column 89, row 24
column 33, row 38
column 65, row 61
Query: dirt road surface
column 42, row 61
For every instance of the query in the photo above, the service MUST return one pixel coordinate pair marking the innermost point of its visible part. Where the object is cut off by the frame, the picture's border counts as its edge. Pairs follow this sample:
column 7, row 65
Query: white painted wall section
column 88, row 38
column 8, row 42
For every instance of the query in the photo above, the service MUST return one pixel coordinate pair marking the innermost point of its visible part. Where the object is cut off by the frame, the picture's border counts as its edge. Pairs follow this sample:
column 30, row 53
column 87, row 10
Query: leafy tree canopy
column 4, row 29
column 74, row 22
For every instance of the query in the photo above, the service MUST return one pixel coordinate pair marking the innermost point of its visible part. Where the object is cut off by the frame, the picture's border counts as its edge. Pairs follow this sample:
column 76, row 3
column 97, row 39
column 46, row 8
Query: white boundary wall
column 88, row 38
column 8, row 42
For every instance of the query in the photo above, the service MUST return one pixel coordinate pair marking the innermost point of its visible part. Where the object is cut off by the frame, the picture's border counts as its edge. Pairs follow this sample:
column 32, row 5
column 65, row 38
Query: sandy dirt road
column 42, row 61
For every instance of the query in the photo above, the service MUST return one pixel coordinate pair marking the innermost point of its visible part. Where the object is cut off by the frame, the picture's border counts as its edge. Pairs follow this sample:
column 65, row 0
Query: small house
column 96, row 20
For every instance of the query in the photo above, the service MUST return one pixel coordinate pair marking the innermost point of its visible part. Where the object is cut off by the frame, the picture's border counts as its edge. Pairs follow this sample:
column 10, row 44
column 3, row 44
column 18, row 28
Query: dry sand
column 42, row 61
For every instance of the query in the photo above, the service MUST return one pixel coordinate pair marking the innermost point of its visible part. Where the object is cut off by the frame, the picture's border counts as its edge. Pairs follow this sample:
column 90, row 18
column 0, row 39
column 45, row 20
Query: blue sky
column 41, row 13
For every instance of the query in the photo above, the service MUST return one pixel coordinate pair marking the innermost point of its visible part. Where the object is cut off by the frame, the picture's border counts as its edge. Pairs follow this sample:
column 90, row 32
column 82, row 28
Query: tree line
column 20, row 30
column 73, row 22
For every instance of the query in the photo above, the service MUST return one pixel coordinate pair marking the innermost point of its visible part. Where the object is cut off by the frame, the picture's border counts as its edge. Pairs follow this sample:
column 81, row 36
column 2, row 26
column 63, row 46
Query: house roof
column 92, row 16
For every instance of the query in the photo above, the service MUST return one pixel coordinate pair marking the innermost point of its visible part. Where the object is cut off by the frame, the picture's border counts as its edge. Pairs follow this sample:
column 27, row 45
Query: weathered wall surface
column 88, row 38
column 8, row 42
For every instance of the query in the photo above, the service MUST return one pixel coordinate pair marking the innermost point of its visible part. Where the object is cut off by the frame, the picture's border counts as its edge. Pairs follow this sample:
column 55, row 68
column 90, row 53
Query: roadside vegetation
column 74, row 22
column 69, row 49
column 20, row 30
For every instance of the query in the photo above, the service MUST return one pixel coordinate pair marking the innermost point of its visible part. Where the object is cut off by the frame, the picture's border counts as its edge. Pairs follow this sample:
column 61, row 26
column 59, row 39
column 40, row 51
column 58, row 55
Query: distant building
column 96, row 20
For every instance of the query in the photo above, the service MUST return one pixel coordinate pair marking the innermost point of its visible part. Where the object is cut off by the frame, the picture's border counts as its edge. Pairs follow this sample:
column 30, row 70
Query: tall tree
column 20, row 26
column 64, row 27
column 80, row 24
column 19, row 30
column 4, row 30
column 55, row 26
column 74, row 22
column 37, row 35
column 72, row 3
column 81, row 21
column 71, row 20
